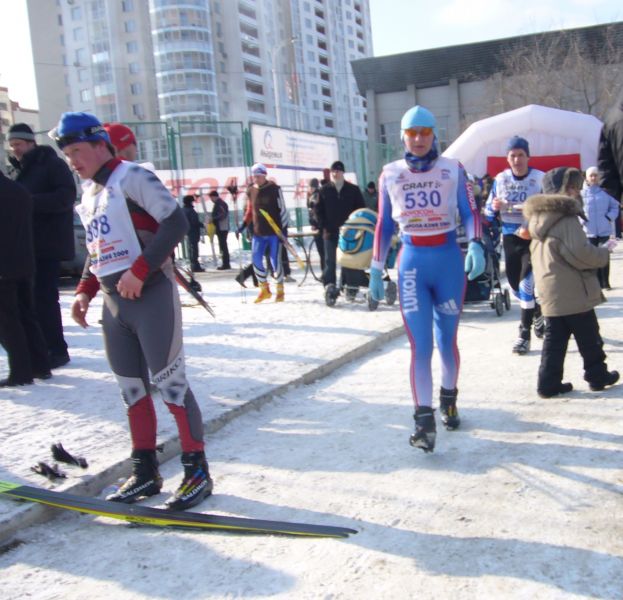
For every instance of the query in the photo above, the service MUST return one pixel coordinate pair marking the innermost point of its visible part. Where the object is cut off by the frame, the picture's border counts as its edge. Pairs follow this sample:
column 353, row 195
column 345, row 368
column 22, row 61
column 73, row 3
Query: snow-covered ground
column 524, row 501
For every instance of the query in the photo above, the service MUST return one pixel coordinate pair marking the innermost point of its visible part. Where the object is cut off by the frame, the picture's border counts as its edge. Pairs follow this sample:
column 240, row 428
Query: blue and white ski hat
column 259, row 169
column 74, row 127
column 418, row 116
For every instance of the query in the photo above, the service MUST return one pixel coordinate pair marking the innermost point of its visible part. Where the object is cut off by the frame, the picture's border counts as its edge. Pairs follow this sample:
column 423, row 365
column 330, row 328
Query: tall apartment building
column 196, row 62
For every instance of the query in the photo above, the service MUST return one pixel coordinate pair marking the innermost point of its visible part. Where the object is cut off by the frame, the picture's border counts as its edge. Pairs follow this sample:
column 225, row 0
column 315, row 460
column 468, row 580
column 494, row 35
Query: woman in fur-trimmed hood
column 563, row 260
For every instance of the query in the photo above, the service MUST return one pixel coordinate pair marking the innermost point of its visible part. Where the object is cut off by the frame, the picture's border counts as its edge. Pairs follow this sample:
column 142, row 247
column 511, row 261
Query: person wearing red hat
column 123, row 139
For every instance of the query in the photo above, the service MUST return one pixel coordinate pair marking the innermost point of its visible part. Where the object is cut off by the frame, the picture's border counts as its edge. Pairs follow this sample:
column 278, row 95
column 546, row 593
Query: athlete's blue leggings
column 258, row 248
column 432, row 283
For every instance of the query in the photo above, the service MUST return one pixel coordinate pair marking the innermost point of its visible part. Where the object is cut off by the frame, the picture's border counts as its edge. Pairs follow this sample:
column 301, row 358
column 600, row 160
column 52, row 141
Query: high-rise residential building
column 198, row 62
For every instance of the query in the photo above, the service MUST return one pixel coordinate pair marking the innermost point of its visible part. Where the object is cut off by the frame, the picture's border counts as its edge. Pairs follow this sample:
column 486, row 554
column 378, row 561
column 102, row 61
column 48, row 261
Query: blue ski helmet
column 74, row 127
column 418, row 116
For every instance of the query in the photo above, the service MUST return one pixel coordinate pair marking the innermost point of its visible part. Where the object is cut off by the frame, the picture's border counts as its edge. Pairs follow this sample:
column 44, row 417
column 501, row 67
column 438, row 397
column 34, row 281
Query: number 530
column 422, row 199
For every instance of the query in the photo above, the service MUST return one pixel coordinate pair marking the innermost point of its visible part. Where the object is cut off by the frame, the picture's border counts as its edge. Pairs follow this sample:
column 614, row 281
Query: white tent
column 550, row 132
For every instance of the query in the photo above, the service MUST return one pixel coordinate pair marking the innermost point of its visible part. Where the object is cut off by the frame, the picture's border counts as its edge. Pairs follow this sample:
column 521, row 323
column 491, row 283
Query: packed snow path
column 524, row 501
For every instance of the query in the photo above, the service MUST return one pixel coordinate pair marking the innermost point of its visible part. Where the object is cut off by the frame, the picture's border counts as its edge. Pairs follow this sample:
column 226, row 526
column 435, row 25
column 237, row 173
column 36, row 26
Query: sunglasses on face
column 415, row 131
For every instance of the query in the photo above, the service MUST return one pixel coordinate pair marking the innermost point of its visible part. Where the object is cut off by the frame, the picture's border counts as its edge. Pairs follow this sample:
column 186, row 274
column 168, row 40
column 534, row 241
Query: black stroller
column 488, row 286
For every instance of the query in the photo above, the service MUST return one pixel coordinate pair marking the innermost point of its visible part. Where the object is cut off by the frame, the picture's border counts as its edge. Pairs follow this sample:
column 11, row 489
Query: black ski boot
column 196, row 485
column 144, row 481
column 425, row 429
column 447, row 407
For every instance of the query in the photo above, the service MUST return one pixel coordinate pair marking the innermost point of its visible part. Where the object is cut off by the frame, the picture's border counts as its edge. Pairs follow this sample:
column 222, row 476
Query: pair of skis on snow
column 158, row 517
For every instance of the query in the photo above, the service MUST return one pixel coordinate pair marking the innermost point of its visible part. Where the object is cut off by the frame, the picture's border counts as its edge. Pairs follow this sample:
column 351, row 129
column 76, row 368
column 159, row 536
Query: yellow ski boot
column 264, row 293
column 280, row 293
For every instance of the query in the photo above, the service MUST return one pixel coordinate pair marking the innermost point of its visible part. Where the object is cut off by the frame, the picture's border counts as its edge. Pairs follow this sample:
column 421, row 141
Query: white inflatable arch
column 554, row 136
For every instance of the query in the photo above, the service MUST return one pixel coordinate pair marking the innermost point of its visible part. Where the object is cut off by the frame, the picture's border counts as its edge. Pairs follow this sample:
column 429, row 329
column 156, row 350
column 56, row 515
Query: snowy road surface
column 524, row 501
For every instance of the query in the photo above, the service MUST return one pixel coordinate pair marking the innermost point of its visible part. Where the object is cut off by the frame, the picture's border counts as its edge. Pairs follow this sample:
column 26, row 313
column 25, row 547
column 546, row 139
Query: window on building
column 136, row 88
column 78, row 34
column 130, row 26
column 83, row 75
column 85, row 95
column 255, row 106
column 81, row 56
column 127, row 5
column 131, row 47
column 390, row 133
column 252, row 68
column 254, row 88
column 328, row 123
column 246, row 11
column 134, row 68
column 137, row 110
column 76, row 13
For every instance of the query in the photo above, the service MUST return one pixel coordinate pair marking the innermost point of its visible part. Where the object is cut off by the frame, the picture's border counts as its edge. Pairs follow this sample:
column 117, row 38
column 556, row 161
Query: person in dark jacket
column 610, row 157
column 20, row 333
column 194, row 233
column 50, row 183
column 220, row 218
column 313, row 195
column 336, row 200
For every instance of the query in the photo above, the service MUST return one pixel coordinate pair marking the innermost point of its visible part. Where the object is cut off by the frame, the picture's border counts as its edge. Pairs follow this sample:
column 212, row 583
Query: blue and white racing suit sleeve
column 490, row 214
column 384, row 228
column 468, row 209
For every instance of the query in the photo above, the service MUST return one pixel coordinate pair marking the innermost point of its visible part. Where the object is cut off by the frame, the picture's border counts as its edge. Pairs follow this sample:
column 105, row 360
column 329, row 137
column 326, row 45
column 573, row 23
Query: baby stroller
column 488, row 285
column 354, row 255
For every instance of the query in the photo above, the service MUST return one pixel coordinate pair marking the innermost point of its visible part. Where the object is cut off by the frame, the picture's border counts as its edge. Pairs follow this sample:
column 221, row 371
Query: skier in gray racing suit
column 132, row 226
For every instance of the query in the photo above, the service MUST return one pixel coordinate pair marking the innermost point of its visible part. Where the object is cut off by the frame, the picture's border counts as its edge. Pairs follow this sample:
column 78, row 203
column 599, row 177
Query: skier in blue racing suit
column 422, row 193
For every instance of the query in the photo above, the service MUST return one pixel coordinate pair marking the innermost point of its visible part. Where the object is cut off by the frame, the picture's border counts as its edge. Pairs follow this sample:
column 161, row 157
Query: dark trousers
column 320, row 247
column 20, row 333
column 585, row 329
column 222, row 245
column 47, row 306
column 518, row 267
column 193, row 252
column 285, row 261
column 603, row 274
column 330, row 261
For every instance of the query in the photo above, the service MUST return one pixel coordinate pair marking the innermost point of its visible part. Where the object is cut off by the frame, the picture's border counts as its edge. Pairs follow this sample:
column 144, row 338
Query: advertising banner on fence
column 285, row 149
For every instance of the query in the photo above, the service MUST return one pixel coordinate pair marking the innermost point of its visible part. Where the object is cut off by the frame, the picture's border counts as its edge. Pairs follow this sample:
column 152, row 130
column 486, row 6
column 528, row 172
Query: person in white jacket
column 601, row 211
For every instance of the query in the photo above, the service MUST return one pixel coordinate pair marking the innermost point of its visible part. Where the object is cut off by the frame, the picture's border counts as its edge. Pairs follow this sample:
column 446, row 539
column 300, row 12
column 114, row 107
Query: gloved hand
column 611, row 244
column 474, row 260
column 375, row 286
column 239, row 230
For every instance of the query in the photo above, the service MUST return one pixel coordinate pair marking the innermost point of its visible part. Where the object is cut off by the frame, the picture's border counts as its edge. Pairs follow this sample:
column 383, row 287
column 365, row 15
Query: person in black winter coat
column 20, row 333
column 336, row 201
column 610, row 157
column 220, row 218
column 50, row 183
column 194, row 233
